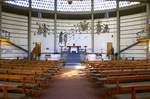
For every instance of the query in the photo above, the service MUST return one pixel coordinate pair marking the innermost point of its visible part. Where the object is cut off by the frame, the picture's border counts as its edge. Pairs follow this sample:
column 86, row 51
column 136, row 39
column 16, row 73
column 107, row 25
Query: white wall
column 74, row 35
column 11, row 52
column 102, row 38
column 47, row 43
column 130, row 25
column 17, row 26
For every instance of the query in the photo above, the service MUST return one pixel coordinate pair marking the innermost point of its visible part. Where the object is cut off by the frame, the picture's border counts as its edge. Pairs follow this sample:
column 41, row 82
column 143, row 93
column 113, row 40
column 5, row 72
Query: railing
column 6, row 35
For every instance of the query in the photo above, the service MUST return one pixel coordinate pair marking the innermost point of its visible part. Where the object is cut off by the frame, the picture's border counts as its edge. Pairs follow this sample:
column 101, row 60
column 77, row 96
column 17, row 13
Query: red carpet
column 70, row 84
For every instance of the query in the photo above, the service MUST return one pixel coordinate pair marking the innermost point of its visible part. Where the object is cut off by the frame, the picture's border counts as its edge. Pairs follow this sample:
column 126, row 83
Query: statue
column 106, row 28
column 84, row 25
column 61, row 37
column 65, row 39
column 45, row 29
column 42, row 29
column 99, row 27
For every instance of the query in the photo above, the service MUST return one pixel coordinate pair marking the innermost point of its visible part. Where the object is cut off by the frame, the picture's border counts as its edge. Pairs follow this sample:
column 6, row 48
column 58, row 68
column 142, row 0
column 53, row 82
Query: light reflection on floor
column 73, row 73
column 80, row 67
column 75, row 65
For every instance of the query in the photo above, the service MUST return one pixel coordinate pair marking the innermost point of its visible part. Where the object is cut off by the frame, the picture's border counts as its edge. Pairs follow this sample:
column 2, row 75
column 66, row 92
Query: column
column 0, row 28
column 148, row 16
column 147, row 53
column 92, row 25
column 0, row 16
column 55, row 26
column 29, row 29
column 148, row 28
column 118, row 28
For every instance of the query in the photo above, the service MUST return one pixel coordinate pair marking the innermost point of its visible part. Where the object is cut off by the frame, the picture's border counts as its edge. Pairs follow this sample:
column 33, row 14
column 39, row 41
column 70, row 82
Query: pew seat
column 12, row 95
column 139, row 95
column 13, row 88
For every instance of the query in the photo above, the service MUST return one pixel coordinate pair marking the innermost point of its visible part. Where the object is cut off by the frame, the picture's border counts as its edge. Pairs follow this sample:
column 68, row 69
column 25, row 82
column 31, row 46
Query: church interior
column 74, row 49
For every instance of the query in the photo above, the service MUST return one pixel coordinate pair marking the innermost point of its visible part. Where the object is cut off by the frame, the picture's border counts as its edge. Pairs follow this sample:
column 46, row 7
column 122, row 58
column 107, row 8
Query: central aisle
column 70, row 84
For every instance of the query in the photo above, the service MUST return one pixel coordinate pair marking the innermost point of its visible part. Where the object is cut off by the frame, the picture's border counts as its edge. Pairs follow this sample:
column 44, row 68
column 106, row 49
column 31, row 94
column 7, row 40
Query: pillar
column 148, row 16
column 29, row 29
column 92, row 25
column 55, row 26
column 118, row 28
column 0, row 16
column 0, row 28
column 147, row 52
column 148, row 27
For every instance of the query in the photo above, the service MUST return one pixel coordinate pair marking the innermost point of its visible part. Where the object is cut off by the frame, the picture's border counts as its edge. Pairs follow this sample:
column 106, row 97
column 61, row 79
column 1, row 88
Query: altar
column 73, row 49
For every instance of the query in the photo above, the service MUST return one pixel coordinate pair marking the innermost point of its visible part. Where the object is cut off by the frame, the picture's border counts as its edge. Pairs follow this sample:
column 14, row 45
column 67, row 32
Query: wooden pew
column 6, row 88
column 26, row 76
column 118, row 76
column 133, row 89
